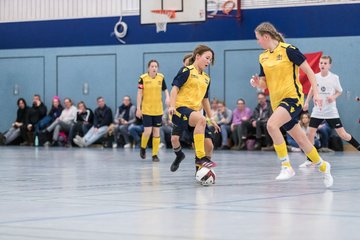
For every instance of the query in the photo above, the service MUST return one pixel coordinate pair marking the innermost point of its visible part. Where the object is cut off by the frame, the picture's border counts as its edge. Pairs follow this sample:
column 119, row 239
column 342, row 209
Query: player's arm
column 259, row 81
column 139, row 98
column 173, row 94
column 207, row 108
column 308, row 99
column 167, row 96
column 305, row 67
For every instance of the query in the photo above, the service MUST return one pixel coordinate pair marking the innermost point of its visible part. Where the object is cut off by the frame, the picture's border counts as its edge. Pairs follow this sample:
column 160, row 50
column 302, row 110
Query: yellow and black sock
column 314, row 156
column 282, row 153
column 199, row 142
column 155, row 145
column 144, row 141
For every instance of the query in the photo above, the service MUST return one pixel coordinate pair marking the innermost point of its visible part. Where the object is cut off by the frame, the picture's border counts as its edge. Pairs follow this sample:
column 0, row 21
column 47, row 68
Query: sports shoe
column 328, row 179
column 78, row 142
column 306, row 164
column 162, row 145
column 286, row 173
column 128, row 145
column 176, row 163
column 204, row 162
column 155, row 158
column 143, row 153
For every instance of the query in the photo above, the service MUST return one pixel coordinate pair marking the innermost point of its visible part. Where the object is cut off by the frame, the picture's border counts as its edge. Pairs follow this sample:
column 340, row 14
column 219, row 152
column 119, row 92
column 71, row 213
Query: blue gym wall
column 57, row 57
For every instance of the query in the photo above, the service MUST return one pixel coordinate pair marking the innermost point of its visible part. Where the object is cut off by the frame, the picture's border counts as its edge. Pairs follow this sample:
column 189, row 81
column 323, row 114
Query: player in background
column 329, row 88
column 150, row 107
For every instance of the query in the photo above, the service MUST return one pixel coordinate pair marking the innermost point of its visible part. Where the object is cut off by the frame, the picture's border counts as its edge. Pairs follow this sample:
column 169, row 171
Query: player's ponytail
column 268, row 28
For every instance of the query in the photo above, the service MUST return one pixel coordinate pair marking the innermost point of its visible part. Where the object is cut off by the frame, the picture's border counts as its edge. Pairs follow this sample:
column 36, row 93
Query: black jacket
column 36, row 113
column 103, row 117
column 261, row 114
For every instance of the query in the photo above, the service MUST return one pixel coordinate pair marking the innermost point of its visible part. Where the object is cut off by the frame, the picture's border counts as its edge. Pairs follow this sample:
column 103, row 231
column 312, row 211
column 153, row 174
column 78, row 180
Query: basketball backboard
column 187, row 11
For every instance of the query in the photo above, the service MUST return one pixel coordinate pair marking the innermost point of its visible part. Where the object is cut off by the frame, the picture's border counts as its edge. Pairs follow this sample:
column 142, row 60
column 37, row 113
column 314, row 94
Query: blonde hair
column 268, row 28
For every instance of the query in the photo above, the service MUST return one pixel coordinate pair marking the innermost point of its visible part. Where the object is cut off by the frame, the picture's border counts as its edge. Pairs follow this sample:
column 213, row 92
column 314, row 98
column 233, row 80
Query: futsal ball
column 206, row 176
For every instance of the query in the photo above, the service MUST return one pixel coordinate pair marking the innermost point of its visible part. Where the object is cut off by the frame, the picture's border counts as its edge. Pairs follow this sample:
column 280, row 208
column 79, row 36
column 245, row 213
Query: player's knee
column 201, row 122
column 271, row 127
column 175, row 140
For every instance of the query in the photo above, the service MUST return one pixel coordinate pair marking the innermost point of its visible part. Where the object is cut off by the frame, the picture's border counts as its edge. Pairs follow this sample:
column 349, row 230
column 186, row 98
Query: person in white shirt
column 329, row 89
column 64, row 122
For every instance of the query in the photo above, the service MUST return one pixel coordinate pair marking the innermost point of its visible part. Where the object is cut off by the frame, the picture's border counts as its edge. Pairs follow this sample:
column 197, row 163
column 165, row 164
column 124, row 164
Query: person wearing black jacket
column 259, row 119
column 103, row 117
column 35, row 114
column 83, row 122
column 14, row 131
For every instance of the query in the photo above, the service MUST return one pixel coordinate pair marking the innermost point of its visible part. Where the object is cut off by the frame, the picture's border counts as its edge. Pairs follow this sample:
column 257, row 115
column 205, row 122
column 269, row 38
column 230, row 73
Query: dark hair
column 241, row 99
column 99, row 98
column 222, row 102
column 151, row 61
column 83, row 103
column 37, row 95
column 23, row 100
column 68, row 99
column 199, row 50
column 268, row 28
column 327, row 57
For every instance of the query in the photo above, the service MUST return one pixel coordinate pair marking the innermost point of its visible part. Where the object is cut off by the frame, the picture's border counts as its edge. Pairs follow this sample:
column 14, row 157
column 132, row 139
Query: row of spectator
column 241, row 128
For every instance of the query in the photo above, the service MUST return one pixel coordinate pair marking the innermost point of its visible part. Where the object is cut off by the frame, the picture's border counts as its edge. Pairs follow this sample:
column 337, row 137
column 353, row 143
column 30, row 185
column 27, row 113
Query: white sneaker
column 295, row 149
column 114, row 145
column 286, row 173
column 328, row 179
column 306, row 164
column 161, row 145
column 128, row 145
column 78, row 142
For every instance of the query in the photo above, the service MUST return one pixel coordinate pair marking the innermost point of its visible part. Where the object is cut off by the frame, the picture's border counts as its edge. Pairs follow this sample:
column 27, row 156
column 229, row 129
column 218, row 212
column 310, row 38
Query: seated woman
column 14, row 131
column 54, row 113
column 304, row 123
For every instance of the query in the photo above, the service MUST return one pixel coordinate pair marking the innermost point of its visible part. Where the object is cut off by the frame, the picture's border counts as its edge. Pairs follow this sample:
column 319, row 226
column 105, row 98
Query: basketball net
column 162, row 17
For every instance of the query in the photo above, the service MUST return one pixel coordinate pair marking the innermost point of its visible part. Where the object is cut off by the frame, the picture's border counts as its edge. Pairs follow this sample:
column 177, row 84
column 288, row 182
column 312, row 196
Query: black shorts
column 293, row 106
column 181, row 123
column 333, row 122
column 152, row 121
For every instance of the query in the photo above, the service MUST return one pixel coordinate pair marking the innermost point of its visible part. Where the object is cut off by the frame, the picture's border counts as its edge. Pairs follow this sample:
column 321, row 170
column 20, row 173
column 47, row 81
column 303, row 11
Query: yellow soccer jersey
column 152, row 94
column 193, row 88
column 281, row 70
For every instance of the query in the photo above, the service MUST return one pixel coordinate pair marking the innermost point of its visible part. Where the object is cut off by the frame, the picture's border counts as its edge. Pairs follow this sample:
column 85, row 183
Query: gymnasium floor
column 57, row 193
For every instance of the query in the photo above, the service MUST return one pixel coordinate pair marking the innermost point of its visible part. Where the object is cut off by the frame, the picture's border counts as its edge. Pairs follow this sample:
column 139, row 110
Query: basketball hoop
column 162, row 17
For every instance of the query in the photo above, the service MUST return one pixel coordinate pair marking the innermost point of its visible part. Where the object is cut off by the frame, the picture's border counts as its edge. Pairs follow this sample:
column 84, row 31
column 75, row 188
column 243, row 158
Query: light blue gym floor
column 58, row 193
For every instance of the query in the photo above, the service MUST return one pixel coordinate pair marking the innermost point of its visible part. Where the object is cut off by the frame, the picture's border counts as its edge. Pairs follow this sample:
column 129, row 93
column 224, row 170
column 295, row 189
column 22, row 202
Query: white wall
column 35, row 10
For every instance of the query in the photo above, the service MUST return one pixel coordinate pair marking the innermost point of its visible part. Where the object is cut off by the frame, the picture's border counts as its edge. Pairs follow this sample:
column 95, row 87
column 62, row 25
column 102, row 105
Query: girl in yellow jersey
column 150, row 107
column 189, row 95
column 279, row 72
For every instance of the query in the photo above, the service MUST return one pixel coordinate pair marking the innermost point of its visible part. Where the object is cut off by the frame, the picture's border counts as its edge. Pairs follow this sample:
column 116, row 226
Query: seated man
column 103, row 117
column 124, row 117
column 64, row 122
column 223, row 117
column 259, row 119
column 35, row 114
